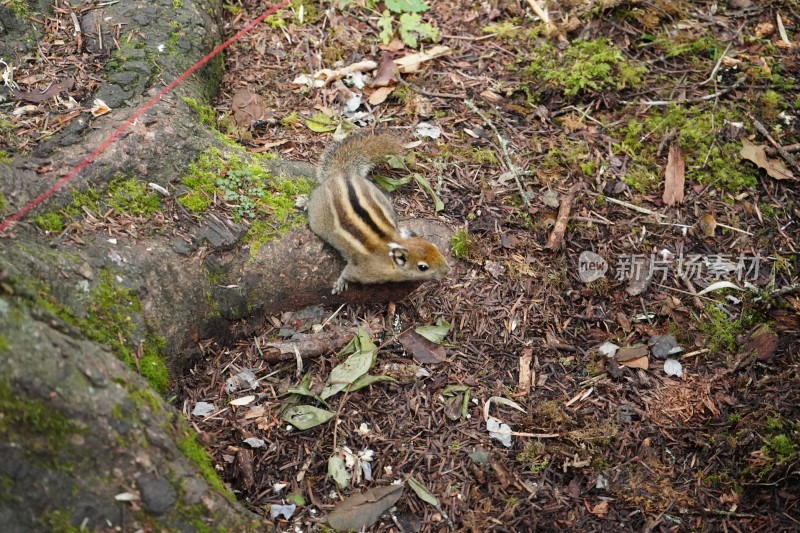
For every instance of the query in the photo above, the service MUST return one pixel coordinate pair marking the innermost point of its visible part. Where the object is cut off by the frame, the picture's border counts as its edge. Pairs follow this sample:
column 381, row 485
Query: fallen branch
column 556, row 238
column 692, row 290
column 791, row 148
column 325, row 76
column 306, row 346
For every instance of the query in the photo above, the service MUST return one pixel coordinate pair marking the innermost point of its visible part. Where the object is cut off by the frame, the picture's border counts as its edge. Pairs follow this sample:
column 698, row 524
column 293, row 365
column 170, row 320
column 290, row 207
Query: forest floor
column 592, row 121
column 646, row 328
column 625, row 96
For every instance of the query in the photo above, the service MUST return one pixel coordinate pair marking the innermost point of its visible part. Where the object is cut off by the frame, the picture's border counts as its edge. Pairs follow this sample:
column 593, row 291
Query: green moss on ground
column 709, row 160
column 721, row 329
column 133, row 197
column 20, row 8
column 459, row 244
column 125, row 195
column 205, row 113
column 59, row 521
column 584, row 67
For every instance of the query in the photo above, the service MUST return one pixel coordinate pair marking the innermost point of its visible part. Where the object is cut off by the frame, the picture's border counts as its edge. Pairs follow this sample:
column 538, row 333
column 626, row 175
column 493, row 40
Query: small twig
column 733, row 229
column 594, row 220
column 719, row 61
column 632, row 207
column 556, row 238
column 690, row 287
column 689, row 100
column 521, row 434
column 696, row 352
column 783, row 153
column 469, row 37
column 338, row 415
column 434, row 94
column 791, row 148
column 503, row 146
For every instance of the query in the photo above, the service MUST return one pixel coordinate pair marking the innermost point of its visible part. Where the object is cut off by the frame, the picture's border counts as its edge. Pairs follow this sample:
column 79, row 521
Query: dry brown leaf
column 674, row 177
column 629, row 353
column 763, row 343
column 764, row 29
column 707, row 224
column 54, row 89
column 386, row 73
column 99, row 108
column 491, row 97
column 640, row 362
column 380, row 95
column 360, row 511
column 422, row 349
column 601, row 509
column 247, row 107
column 758, row 155
column 394, row 45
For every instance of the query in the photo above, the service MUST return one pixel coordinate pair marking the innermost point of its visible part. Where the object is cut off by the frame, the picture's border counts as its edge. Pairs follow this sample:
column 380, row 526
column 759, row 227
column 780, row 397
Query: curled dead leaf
column 247, row 107
column 380, row 95
column 758, row 155
column 386, row 74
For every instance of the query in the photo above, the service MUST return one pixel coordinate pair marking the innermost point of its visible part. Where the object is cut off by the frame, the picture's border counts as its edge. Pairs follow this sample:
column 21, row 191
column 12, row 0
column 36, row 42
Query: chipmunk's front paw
column 339, row 286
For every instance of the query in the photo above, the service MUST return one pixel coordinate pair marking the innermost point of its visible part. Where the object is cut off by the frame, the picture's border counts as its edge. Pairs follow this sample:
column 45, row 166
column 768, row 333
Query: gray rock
column 663, row 345
column 158, row 495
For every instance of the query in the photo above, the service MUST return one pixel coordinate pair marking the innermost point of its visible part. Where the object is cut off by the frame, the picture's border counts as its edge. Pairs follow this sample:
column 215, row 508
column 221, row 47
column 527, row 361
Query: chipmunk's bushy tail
column 357, row 154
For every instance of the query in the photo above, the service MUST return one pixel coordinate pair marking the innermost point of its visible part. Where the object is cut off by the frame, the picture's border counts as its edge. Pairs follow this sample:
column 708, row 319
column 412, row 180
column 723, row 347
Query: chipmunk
column 356, row 218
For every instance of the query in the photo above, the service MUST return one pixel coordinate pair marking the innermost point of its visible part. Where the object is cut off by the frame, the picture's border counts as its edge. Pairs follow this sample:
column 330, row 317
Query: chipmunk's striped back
column 362, row 213
column 357, row 219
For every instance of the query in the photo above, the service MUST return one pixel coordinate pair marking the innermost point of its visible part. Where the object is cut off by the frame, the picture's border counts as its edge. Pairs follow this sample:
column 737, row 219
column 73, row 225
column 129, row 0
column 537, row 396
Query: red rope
column 116, row 133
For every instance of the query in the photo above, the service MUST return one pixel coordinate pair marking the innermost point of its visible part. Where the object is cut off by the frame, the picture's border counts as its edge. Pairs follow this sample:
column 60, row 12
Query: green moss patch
column 32, row 421
column 709, row 160
column 197, row 454
column 20, row 8
column 459, row 244
column 585, row 67
column 248, row 191
column 109, row 320
column 205, row 113
column 51, row 222
column 125, row 195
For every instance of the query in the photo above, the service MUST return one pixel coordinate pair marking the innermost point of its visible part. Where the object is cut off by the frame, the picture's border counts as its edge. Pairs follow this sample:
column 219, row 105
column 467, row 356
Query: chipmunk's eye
column 422, row 267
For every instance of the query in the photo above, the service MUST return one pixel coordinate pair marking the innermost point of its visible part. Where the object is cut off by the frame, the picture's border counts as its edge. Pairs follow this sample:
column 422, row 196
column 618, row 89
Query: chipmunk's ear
column 398, row 254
